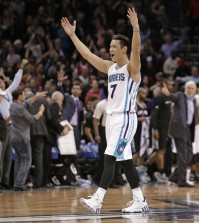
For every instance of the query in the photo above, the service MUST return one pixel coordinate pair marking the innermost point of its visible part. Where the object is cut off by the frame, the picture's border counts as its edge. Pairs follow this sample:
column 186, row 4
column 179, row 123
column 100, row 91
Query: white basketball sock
column 137, row 192
column 101, row 193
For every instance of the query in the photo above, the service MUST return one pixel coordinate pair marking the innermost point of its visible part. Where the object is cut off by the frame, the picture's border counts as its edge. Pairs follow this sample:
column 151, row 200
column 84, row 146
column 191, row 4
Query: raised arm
column 174, row 97
column 134, row 66
column 97, row 62
column 18, row 77
column 36, row 97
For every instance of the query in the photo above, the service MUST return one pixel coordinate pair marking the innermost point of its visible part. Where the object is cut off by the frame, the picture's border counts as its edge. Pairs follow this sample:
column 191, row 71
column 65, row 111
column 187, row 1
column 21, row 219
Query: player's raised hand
column 68, row 28
column 132, row 15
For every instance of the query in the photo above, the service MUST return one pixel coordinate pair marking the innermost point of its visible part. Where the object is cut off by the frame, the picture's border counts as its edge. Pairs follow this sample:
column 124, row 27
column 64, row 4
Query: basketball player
column 123, row 82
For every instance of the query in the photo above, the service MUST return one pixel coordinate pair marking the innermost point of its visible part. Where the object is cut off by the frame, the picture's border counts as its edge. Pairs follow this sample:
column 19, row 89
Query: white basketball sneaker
column 93, row 203
column 136, row 206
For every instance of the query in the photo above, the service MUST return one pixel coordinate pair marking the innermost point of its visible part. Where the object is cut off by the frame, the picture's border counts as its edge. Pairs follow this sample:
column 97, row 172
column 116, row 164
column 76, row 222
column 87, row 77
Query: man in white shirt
column 6, row 157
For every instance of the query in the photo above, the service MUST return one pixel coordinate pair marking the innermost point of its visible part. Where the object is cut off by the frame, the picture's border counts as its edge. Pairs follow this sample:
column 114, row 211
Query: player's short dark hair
column 124, row 41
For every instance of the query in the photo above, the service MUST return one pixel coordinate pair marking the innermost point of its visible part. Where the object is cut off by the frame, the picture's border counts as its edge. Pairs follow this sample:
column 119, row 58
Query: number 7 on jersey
column 114, row 87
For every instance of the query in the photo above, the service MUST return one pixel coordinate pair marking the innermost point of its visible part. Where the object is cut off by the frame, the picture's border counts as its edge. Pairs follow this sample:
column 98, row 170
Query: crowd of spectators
column 32, row 30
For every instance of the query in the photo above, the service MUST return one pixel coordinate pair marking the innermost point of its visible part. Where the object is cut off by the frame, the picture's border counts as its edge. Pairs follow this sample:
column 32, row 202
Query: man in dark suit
column 160, row 118
column 73, row 111
column 54, row 129
column 38, row 135
column 182, row 125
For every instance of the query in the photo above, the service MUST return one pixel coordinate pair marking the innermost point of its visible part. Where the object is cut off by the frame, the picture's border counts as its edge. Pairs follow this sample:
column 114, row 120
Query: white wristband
column 136, row 30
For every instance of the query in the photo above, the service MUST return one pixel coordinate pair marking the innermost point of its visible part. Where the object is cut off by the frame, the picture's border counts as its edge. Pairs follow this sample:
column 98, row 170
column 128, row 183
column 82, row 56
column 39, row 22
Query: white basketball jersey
column 122, row 90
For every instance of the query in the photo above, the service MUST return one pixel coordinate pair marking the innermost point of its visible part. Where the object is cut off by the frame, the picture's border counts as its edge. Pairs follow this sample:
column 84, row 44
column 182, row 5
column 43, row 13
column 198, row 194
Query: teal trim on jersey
column 124, row 123
column 133, row 123
column 132, row 129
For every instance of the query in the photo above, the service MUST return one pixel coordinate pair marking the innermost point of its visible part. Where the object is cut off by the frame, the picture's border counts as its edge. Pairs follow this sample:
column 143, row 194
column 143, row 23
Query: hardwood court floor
column 167, row 203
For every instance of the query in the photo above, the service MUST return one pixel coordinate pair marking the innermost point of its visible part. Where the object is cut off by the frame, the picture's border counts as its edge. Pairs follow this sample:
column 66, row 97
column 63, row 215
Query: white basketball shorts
column 120, row 130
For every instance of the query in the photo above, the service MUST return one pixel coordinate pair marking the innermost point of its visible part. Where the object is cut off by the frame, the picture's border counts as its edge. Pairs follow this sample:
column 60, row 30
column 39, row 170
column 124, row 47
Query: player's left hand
column 68, row 28
column 132, row 15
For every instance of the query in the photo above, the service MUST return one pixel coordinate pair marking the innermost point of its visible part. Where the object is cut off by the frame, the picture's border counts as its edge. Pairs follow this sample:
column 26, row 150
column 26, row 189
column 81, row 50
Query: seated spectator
column 95, row 91
column 12, row 57
column 32, row 73
column 170, row 45
column 84, row 76
column 170, row 65
column 194, row 76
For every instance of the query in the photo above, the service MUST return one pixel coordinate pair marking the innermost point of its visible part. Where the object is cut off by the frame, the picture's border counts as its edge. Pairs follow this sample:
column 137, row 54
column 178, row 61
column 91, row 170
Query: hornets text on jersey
column 122, row 90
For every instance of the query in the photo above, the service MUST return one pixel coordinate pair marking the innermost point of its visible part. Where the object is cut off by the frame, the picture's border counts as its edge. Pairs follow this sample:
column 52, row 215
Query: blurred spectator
column 19, row 48
column 3, row 129
column 59, row 50
column 5, row 112
column 3, row 52
column 73, row 111
column 33, row 73
column 193, row 15
column 145, row 82
column 33, row 47
column 170, row 65
column 141, row 139
column 50, row 59
column 88, row 126
column 99, row 121
column 182, row 69
column 170, row 45
column 94, row 92
column 12, row 57
column 161, row 17
column 193, row 76
column 20, row 139
column 156, row 88
column 54, row 129
column 160, row 118
column 181, row 129
column 50, row 87
column 84, row 75
column 63, row 82
column 38, row 136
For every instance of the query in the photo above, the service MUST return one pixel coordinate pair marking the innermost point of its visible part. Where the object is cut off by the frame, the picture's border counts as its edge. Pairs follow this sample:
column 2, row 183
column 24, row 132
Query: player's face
column 115, row 50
